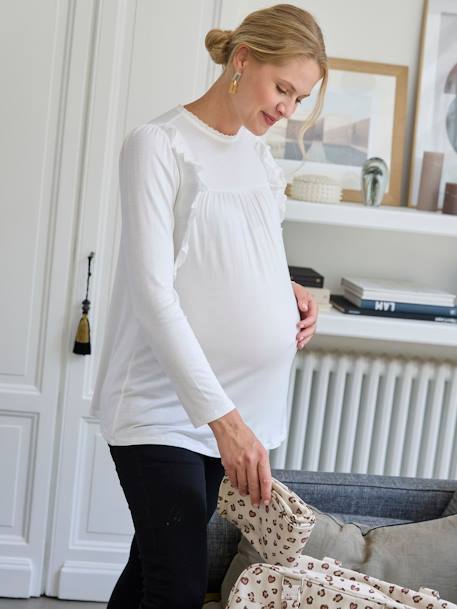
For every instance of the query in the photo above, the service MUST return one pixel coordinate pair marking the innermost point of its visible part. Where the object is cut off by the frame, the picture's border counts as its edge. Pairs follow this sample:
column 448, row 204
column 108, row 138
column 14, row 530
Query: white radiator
column 351, row 412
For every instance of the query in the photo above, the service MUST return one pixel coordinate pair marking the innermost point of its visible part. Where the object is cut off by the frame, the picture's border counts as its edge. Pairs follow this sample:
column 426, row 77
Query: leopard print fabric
column 323, row 585
column 292, row 580
column 277, row 531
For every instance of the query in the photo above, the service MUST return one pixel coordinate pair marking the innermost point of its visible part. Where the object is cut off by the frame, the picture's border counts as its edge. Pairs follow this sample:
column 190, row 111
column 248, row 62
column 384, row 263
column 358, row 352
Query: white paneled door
column 76, row 76
column 132, row 60
column 39, row 176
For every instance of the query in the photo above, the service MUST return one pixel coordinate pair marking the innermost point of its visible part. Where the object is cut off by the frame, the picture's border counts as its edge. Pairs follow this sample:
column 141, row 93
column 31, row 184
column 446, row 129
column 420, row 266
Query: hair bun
column 217, row 43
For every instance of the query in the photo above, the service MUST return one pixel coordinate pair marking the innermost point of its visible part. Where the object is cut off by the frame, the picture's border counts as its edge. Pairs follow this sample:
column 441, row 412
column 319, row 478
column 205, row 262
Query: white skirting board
column 16, row 576
column 87, row 581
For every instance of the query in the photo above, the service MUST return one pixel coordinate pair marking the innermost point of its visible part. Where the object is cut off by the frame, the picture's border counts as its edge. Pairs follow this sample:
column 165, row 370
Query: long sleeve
column 149, row 182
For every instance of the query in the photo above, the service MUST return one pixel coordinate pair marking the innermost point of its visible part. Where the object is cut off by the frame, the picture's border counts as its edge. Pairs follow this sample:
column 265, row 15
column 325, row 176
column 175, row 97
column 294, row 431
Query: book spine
column 352, row 310
column 402, row 307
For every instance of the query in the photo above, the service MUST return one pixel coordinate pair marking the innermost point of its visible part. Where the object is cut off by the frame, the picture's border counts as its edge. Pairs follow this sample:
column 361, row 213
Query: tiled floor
column 45, row 602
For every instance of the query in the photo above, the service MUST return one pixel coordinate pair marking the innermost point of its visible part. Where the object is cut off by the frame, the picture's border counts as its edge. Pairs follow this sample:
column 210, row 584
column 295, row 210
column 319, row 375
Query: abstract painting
column 436, row 115
column 363, row 116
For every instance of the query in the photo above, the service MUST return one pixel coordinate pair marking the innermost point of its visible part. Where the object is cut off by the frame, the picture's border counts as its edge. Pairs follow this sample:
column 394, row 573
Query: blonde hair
column 274, row 35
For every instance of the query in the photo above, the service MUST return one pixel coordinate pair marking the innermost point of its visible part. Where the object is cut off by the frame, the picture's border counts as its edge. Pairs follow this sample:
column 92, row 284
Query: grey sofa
column 367, row 499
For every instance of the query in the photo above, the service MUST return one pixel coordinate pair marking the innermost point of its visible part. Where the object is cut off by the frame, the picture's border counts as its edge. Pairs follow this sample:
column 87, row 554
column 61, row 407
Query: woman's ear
column 240, row 58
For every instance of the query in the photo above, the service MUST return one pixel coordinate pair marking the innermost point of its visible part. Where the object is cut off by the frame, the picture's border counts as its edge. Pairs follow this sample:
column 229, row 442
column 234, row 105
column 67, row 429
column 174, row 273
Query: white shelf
column 388, row 218
column 404, row 219
column 335, row 323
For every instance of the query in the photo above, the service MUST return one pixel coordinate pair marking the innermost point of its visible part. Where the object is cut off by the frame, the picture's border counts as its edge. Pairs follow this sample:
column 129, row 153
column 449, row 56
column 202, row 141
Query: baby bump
column 247, row 326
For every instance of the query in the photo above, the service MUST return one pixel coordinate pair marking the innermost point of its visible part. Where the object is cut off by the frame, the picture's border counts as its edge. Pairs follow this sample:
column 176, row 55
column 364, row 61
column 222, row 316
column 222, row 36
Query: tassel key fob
column 82, row 344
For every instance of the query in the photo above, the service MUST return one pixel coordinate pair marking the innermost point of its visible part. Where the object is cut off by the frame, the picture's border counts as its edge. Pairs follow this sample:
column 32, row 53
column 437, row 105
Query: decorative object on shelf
column 314, row 284
column 82, row 341
column 306, row 276
column 318, row 188
column 432, row 167
column 374, row 181
column 321, row 297
column 436, row 114
column 450, row 199
column 363, row 116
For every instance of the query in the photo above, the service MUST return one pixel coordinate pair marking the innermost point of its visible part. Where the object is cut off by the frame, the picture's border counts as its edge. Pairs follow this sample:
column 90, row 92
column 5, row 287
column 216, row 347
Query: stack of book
column 395, row 298
column 314, row 283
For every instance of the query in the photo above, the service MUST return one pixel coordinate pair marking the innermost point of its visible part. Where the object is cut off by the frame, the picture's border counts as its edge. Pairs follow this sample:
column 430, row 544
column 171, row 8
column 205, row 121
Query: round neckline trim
column 225, row 137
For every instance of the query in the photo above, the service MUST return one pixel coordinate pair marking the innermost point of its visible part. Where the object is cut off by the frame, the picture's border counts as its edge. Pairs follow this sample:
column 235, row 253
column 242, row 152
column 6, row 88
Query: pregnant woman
column 204, row 321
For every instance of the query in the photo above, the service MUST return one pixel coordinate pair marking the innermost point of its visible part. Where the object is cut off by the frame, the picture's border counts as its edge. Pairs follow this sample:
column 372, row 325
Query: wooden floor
column 45, row 602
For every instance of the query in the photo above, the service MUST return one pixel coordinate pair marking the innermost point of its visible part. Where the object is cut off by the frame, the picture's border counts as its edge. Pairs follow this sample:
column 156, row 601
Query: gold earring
column 234, row 83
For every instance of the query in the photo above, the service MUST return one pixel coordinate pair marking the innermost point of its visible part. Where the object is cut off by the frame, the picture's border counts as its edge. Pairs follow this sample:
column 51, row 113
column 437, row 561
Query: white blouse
column 203, row 315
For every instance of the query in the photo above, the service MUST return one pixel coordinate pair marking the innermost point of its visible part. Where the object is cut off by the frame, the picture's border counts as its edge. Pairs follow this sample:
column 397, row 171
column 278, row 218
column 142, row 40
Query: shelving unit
column 335, row 323
column 403, row 219
column 398, row 219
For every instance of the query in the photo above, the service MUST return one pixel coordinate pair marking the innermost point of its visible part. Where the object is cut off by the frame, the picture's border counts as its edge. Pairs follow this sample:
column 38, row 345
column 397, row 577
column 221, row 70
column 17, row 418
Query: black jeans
column 171, row 493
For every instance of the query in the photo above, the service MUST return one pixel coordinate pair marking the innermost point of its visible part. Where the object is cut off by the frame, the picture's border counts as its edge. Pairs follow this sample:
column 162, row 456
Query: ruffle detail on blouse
column 275, row 174
column 181, row 149
column 207, row 128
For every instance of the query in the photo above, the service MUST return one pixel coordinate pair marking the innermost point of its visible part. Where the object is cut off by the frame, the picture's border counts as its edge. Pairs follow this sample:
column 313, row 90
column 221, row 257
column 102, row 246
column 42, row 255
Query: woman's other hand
column 244, row 458
column 307, row 307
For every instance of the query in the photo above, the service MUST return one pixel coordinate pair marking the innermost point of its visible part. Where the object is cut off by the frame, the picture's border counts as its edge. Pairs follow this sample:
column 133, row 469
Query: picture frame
column 434, row 147
column 363, row 116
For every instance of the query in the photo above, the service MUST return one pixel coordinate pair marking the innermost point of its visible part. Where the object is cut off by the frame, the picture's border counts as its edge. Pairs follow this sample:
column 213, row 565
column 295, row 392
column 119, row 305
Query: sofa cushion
column 405, row 554
column 365, row 521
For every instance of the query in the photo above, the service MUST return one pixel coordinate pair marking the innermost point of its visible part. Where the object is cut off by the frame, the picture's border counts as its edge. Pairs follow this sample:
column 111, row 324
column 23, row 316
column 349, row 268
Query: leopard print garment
column 278, row 531
column 323, row 585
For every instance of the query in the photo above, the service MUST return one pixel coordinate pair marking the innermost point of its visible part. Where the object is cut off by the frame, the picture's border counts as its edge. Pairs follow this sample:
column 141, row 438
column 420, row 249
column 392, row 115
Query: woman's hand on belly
column 244, row 458
column 307, row 307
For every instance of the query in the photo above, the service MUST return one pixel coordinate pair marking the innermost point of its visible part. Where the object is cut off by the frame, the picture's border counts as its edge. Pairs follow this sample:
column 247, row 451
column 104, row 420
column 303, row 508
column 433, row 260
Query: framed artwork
column 363, row 116
column 434, row 154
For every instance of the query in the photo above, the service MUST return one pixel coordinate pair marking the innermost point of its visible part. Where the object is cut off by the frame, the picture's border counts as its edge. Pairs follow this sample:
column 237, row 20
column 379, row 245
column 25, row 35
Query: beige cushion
column 412, row 555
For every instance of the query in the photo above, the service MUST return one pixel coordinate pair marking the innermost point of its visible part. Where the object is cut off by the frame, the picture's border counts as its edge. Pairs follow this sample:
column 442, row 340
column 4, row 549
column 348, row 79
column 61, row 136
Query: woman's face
column 268, row 92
